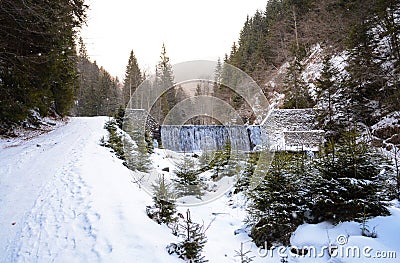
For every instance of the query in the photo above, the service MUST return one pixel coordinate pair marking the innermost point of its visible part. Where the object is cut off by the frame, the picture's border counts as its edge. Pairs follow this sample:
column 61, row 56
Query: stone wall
column 139, row 118
column 288, row 128
column 310, row 140
column 290, row 119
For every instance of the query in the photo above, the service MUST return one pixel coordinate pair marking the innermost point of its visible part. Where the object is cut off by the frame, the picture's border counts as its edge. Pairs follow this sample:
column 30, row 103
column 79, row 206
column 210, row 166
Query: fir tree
column 296, row 93
column 187, row 181
column 327, row 97
column 164, row 82
column 349, row 187
column 135, row 146
column 37, row 58
column 205, row 159
column 132, row 80
column 136, row 157
column 247, row 172
column 220, row 160
column 82, row 50
column 397, row 170
column 194, row 239
column 244, row 258
column 164, row 202
column 115, row 140
column 97, row 92
column 365, row 73
column 276, row 207
column 218, row 75
column 119, row 117
column 234, row 165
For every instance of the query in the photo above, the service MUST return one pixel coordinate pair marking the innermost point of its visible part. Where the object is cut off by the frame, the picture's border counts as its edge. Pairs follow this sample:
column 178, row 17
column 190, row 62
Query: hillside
column 340, row 57
column 84, row 206
column 308, row 173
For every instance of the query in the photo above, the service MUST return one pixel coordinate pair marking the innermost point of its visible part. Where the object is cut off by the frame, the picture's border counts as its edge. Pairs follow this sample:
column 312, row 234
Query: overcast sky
column 202, row 29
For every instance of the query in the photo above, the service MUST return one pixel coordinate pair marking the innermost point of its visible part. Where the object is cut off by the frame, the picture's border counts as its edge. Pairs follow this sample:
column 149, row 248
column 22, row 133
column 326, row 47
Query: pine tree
column 193, row 242
column 37, row 58
column 187, row 181
column 164, row 82
column 164, row 202
column 276, row 207
column 296, row 93
column 133, row 78
column 349, row 187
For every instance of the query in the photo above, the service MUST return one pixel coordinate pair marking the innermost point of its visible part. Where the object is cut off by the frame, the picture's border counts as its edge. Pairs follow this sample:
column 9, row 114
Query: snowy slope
column 64, row 198
column 70, row 200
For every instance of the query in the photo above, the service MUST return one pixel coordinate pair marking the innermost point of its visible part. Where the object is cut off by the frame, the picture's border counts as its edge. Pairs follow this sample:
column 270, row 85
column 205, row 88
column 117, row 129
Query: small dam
column 282, row 129
column 193, row 138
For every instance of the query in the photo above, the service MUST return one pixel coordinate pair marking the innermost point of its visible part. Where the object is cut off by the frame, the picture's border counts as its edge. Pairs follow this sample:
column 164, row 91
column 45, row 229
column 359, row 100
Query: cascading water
column 255, row 135
column 192, row 138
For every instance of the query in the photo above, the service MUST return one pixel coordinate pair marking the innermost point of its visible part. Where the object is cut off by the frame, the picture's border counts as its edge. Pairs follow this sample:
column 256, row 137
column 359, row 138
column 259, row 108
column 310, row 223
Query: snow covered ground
column 64, row 198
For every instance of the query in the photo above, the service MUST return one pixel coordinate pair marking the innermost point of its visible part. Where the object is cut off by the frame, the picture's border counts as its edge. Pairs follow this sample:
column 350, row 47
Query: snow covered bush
column 115, row 139
column 278, row 203
column 187, row 181
column 349, row 185
column 193, row 241
column 164, row 203
column 243, row 254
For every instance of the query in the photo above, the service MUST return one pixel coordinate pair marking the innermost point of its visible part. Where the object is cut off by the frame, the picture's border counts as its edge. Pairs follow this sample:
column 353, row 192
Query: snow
column 22, row 134
column 72, row 201
column 64, row 198
column 391, row 120
column 313, row 68
column 164, row 158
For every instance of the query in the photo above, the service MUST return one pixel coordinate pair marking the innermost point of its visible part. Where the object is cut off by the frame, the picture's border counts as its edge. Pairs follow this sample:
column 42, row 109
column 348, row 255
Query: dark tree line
column 37, row 57
column 287, row 30
column 42, row 70
column 96, row 92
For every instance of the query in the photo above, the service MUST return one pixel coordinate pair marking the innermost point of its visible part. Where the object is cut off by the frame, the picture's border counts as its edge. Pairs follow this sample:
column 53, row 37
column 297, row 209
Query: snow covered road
column 64, row 198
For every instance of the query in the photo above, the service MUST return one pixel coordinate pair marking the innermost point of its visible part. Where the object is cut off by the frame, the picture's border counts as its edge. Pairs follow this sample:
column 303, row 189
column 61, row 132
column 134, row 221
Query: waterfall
column 192, row 138
column 255, row 135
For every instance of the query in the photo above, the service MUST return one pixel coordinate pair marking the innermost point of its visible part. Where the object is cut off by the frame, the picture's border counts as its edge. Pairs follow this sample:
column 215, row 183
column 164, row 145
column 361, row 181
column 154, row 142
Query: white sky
column 190, row 30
